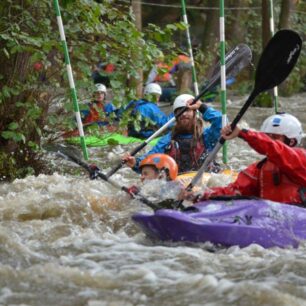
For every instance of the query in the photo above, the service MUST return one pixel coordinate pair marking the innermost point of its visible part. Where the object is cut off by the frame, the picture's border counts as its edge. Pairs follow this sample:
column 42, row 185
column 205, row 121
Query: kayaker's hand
column 228, row 134
column 133, row 190
column 188, row 195
column 193, row 106
column 129, row 160
column 93, row 171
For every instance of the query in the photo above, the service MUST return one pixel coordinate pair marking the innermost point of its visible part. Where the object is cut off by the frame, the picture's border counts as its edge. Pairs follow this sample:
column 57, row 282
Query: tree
column 265, row 22
column 284, row 19
column 211, row 28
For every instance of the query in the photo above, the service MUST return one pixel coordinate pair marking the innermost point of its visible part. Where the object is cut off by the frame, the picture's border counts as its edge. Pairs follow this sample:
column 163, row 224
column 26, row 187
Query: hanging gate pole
column 275, row 89
column 70, row 77
column 223, row 73
column 194, row 76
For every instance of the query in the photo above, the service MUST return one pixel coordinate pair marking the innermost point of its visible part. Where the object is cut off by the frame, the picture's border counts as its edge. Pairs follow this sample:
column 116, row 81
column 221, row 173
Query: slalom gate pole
column 223, row 73
column 194, row 76
column 70, row 77
column 275, row 89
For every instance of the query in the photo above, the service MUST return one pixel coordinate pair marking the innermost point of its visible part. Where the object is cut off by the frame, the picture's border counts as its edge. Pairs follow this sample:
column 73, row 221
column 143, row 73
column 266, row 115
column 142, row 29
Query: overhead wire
column 192, row 7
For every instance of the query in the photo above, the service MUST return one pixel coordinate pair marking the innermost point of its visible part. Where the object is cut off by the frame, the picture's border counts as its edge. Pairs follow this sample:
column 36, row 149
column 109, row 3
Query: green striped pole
column 275, row 89
column 223, row 73
column 70, row 77
column 194, row 76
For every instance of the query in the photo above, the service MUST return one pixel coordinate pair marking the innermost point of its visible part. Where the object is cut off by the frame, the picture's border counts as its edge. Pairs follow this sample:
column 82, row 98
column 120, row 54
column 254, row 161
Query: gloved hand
column 93, row 171
column 133, row 190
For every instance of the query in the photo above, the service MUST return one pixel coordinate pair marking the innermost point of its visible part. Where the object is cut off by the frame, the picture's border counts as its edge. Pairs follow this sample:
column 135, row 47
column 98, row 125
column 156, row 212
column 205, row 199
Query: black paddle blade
column 243, row 60
column 277, row 60
column 235, row 60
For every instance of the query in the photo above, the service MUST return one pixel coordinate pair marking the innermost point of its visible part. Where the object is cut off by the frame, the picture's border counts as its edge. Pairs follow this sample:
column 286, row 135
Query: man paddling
column 189, row 141
column 147, row 112
column 281, row 175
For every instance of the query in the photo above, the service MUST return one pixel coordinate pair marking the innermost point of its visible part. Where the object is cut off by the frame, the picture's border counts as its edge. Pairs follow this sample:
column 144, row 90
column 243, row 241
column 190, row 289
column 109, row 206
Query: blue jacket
column 149, row 112
column 211, row 135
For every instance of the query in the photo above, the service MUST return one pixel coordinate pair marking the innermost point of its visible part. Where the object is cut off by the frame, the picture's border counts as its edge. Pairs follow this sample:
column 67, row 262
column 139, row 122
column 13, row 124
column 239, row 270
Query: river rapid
column 67, row 240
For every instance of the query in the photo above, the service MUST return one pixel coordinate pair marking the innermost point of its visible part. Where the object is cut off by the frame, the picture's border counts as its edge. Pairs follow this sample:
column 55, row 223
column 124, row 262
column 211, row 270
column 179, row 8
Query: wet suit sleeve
column 152, row 112
column 213, row 132
column 160, row 147
column 291, row 161
column 246, row 184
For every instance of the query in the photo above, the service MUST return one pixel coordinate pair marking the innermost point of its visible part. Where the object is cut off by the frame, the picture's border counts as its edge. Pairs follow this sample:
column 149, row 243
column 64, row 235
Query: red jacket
column 278, row 178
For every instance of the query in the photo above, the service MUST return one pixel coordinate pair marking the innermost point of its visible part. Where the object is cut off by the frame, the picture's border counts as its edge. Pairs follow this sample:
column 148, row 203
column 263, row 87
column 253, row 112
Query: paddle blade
column 235, row 60
column 277, row 59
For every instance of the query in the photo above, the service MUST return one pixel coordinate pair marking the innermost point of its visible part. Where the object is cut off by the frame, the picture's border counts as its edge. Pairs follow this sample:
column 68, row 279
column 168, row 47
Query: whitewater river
column 66, row 240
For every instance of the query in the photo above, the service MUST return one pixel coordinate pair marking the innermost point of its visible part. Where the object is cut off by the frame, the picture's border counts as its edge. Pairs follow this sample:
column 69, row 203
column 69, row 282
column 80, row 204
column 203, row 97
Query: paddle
column 235, row 61
column 97, row 173
column 276, row 62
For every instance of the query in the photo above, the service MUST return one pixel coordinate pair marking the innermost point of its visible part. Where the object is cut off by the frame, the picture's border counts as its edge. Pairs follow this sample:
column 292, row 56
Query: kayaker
column 98, row 109
column 146, row 110
column 158, row 167
column 166, row 75
column 188, row 142
column 281, row 175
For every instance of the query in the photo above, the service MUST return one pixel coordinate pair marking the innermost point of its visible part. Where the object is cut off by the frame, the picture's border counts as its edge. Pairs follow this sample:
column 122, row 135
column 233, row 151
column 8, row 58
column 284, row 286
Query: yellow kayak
column 222, row 178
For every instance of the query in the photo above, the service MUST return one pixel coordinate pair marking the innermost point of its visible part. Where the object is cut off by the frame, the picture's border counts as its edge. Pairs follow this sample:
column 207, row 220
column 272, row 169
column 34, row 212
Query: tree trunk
column 266, row 33
column 235, row 29
column 136, row 7
column 184, row 79
column 211, row 29
column 284, row 19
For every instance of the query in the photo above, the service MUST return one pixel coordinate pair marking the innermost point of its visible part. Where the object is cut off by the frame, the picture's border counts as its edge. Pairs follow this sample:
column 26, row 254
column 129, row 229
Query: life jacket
column 276, row 186
column 94, row 115
column 188, row 157
column 109, row 68
column 165, row 77
column 182, row 58
column 144, row 126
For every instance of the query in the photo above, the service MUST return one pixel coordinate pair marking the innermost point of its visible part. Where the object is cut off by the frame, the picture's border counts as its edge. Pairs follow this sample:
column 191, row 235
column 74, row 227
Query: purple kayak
column 228, row 223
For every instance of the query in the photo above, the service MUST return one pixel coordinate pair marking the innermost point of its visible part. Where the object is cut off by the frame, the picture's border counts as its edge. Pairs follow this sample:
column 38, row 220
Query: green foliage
column 32, row 71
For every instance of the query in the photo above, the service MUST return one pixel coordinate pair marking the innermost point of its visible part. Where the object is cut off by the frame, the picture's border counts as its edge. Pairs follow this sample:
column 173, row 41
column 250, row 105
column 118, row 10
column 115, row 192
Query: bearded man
column 189, row 142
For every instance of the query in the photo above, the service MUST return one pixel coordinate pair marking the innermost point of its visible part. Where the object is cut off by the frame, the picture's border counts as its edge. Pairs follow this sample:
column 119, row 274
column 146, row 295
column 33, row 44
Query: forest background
column 34, row 92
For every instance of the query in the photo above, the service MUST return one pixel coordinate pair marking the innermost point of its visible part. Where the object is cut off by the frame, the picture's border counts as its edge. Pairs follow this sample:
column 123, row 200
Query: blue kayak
column 228, row 223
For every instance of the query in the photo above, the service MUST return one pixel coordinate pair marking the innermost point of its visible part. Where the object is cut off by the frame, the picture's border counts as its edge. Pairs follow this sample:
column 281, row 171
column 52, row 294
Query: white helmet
column 181, row 101
column 283, row 124
column 100, row 88
column 152, row 88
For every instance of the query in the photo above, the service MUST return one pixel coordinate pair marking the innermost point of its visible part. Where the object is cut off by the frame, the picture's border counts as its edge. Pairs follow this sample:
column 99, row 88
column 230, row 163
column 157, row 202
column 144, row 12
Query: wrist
column 242, row 133
column 203, row 108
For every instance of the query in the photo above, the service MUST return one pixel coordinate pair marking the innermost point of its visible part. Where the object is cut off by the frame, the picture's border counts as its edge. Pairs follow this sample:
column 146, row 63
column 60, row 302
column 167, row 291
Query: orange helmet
column 161, row 162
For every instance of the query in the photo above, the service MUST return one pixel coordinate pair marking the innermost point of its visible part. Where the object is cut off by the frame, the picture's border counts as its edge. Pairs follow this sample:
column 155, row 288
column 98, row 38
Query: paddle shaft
column 230, row 64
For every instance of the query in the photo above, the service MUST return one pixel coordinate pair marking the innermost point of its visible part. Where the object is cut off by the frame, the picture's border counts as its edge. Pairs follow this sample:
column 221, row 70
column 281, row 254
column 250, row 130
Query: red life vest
column 186, row 156
column 276, row 186
column 94, row 114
